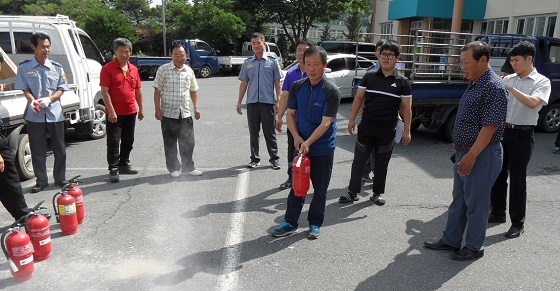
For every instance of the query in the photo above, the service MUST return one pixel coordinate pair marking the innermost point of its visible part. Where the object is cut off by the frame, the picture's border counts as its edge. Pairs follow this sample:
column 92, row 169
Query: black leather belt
column 459, row 148
column 519, row 127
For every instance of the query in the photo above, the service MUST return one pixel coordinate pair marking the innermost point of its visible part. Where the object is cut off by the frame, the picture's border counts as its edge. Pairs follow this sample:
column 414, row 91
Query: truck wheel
column 99, row 119
column 23, row 158
column 205, row 72
column 446, row 131
column 550, row 119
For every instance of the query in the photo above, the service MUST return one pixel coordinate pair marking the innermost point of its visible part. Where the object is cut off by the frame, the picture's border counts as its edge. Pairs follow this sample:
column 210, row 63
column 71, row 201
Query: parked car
column 341, row 69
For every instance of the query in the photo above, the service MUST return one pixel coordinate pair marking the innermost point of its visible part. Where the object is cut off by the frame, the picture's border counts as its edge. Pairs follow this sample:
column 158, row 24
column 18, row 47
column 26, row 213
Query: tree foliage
column 105, row 25
column 359, row 12
column 225, row 24
column 214, row 22
column 298, row 16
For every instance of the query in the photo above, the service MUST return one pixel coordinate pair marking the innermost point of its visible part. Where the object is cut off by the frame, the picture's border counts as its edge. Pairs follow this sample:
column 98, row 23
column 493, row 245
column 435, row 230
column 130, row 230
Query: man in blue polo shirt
column 315, row 100
column 293, row 75
column 259, row 77
column 477, row 132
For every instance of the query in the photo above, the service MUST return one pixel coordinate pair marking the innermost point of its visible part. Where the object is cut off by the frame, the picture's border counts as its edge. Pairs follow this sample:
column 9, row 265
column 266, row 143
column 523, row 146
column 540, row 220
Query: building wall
column 511, row 10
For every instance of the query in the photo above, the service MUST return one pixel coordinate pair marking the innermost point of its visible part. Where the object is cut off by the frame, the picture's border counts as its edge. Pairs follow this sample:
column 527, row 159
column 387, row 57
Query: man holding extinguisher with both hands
column 316, row 100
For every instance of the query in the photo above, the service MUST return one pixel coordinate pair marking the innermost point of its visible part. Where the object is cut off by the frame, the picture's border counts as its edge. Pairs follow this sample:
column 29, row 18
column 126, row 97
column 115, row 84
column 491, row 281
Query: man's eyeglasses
column 387, row 56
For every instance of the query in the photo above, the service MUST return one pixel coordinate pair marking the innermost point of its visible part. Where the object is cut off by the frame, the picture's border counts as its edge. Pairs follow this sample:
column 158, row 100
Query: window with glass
column 387, row 28
column 542, row 25
column 554, row 49
column 494, row 26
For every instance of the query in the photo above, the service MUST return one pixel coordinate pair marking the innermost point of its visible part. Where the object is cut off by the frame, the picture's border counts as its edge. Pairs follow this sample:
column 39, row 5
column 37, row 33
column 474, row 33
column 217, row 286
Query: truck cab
column 271, row 48
column 202, row 57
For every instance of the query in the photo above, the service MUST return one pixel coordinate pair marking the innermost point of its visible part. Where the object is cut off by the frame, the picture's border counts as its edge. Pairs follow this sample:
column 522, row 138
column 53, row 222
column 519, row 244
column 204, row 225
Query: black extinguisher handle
column 3, row 241
column 54, row 206
column 37, row 206
column 75, row 180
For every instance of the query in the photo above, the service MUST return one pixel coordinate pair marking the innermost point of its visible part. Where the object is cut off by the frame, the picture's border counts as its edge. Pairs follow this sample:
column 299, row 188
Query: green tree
column 136, row 10
column 104, row 25
column 356, row 17
column 214, row 22
column 326, row 35
column 297, row 17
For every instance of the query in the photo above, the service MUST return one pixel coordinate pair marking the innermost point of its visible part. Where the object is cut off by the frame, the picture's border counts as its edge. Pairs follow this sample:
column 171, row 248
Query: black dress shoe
column 127, row 170
column 61, row 183
column 514, row 232
column 467, row 255
column 38, row 188
column 492, row 218
column 440, row 246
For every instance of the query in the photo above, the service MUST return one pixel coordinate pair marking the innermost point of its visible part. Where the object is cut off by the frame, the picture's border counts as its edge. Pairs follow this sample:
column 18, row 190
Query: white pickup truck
column 232, row 64
column 82, row 62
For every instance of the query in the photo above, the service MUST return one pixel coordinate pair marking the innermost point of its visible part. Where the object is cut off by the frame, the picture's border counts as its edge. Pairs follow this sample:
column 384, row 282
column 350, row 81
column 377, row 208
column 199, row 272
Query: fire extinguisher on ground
column 39, row 230
column 301, row 173
column 18, row 249
column 65, row 211
column 76, row 192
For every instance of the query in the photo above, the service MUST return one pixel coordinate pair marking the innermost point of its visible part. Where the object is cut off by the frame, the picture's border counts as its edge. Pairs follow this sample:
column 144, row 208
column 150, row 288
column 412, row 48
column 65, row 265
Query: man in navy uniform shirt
column 477, row 132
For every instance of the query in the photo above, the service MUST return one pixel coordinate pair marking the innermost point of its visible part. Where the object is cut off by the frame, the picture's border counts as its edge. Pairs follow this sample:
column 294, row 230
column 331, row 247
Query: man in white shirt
column 528, row 92
column 174, row 87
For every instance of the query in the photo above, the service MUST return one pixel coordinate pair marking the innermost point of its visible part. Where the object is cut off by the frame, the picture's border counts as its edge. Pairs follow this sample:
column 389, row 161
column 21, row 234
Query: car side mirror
column 328, row 70
column 217, row 51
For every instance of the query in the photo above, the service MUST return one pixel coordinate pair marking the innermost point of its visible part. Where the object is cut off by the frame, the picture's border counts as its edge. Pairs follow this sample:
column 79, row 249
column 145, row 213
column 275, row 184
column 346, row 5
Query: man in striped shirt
column 175, row 87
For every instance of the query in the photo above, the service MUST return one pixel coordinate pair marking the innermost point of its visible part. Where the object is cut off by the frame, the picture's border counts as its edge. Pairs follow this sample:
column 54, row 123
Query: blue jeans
column 321, row 169
column 471, row 199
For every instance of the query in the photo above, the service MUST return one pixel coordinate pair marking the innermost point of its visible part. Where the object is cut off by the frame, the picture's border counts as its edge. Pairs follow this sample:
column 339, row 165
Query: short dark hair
column 316, row 50
column 121, row 41
column 305, row 41
column 379, row 43
column 1, row 58
column 523, row 48
column 179, row 45
column 37, row 36
column 479, row 48
column 391, row 46
column 258, row 35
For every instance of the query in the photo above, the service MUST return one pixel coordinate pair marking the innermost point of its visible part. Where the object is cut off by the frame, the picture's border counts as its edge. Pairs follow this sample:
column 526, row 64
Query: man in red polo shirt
column 121, row 90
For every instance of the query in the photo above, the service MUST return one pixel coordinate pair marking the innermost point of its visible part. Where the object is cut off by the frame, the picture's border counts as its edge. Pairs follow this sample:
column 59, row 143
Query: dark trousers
column 257, row 114
column 37, row 132
column 120, row 133
column 380, row 142
column 178, row 130
column 11, row 194
column 321, row 170
column 518, row 147
column 557, row 142
column 291, row 153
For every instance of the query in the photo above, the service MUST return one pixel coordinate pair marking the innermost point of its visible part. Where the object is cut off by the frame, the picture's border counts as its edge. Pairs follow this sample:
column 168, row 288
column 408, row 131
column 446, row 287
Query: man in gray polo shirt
column 259, row 76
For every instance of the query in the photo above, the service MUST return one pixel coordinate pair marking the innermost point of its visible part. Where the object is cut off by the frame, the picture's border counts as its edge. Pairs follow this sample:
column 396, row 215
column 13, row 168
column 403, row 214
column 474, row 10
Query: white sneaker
column 195, row 173
column 175, row 174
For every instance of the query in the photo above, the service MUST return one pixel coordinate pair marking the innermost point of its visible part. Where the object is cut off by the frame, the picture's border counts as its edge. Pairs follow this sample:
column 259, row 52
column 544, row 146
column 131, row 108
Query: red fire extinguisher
column 76, row 192
column 65, row 211
column 18, row 250
column 301, row 173
column 39, row 230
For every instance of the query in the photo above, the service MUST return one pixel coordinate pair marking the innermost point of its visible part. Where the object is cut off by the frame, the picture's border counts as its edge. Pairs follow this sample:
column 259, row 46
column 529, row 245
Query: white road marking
column 230, row 258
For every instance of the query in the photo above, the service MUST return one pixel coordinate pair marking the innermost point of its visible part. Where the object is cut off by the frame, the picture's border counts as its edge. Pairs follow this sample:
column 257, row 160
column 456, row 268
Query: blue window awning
column 400, row 9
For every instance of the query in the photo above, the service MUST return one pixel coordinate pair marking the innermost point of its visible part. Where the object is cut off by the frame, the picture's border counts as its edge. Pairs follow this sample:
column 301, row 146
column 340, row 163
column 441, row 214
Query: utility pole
column 163, row 31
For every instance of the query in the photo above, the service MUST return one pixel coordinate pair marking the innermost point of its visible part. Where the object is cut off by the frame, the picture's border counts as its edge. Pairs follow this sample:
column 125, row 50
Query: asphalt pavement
column 153, row 232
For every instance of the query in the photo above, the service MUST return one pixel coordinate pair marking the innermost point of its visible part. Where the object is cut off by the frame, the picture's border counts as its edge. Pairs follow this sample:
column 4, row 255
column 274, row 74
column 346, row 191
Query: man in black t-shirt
column 385, row 91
